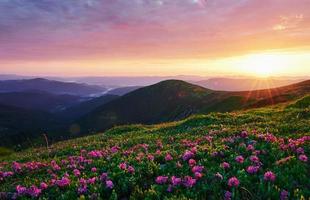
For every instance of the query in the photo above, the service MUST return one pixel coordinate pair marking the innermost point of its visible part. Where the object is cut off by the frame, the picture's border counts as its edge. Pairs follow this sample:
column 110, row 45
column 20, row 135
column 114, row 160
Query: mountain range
column 173, row 100
column 30, row 113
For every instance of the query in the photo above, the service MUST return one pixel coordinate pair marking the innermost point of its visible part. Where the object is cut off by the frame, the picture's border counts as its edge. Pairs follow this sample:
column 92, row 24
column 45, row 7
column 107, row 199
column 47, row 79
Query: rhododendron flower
column 63, row 182
column 43, row 186
column 150, row 157
column 187, row 155
column 239, row 159
column 168, row 157
column 76, row 172
column 103, row 177
column 176, row 181
column 115, row 149
column 225, row 165
column 123, row 166
column 269, row 176
column 197, row 169
column 252, row 169
column 21, row 190
column 55, row 166
column 161, row 179
column 303, row 158
column 189, row 181
column 300, row 150
column 250, row 147
column 254, row 159
column 82, row 189
column 33, row 191
column 92, row 180
column 95, row 154
column 244, row 134
column 131, row 169
column 227, row 195
column 192, row 162
column 233, row 182
column 284, row 195
column 198, row 175
column 94, row 169
column 109, row 184
column 17, row 167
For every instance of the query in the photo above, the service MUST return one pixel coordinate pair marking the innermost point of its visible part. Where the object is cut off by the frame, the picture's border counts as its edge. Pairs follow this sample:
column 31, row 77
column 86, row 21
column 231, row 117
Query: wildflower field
column 255, row 154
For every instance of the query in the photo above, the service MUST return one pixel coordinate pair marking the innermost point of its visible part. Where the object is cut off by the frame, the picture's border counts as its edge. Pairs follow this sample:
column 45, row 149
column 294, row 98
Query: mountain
column 172, row 100
column 38, row 100
column 85, row 107
column 123, row 90
column 20, row 126
column 244, row 84
column 55, row 87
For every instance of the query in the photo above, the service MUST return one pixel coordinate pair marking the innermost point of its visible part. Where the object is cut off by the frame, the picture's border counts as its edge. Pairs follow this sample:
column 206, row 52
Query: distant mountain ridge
column 244, row 84
column 55, row 87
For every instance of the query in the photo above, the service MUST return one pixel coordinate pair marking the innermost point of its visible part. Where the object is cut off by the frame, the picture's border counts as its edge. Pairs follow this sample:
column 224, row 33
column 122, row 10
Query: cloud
column 107, row 29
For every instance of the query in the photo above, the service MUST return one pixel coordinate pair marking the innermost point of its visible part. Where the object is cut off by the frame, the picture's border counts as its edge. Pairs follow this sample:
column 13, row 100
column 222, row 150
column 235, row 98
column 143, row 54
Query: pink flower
column 114, row 149
column 150, row 157
column 55, row 166
column 109, row 184
column 250, row 147
column 233, row 182
column 168, row 157
column 76, row 172
column 198, row 175
column 94, row 169
column 228, row 195
column 92, row 180
column 254, row 159
column 225, row 165
column 21, row 190
column 123, row 166
column 252, row 169
column 103, row 177
column 192, row 162
column 63, row 182
column 187, row 155
column 82, row 189
column 161, row 179
column 131, row 169
column 176, row 181
column 197, row 169
column 17, row 167
column 239, row 159
column 269, row 176
column 43, row 186
column 95, row 154
column 284, row 195
column 300, row 150
column 33, row 191
column 303, row 158
column 189, row 181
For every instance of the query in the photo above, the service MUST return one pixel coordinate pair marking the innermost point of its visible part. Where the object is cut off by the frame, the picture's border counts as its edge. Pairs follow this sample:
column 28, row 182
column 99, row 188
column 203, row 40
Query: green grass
column 284, row 121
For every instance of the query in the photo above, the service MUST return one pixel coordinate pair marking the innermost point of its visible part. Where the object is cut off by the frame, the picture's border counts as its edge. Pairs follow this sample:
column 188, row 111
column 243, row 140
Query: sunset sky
column 155, row 37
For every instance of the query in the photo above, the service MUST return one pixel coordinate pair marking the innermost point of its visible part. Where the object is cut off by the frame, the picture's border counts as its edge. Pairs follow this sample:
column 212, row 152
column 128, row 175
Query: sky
column 155, row 37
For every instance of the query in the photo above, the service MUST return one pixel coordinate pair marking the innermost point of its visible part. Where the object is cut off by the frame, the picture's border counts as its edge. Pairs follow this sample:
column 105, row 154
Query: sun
column 262, row 65
column 263, row 71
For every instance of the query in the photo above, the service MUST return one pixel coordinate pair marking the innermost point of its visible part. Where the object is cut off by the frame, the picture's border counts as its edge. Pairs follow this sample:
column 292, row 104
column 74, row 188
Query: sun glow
column 264, row 65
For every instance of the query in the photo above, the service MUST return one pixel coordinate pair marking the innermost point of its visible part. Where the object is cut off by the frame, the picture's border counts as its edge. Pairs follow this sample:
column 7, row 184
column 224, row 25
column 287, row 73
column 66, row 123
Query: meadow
column 251, row 154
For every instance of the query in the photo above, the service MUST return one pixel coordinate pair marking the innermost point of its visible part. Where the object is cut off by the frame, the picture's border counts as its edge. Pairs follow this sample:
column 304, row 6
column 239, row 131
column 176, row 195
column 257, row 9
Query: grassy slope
column 282, row 120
